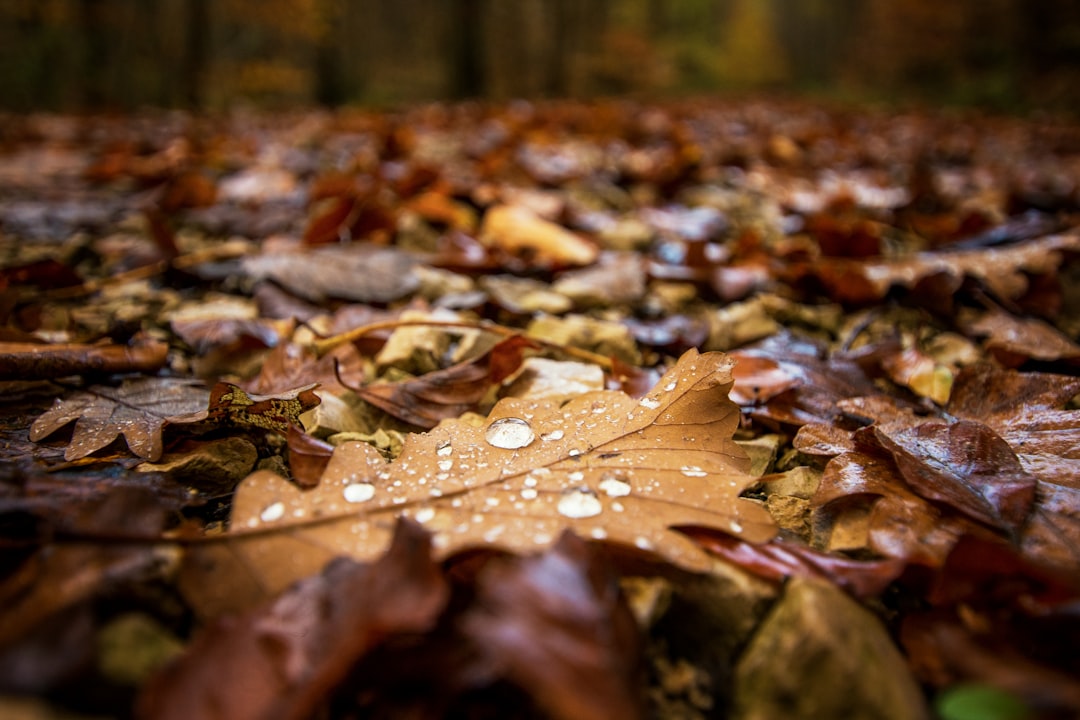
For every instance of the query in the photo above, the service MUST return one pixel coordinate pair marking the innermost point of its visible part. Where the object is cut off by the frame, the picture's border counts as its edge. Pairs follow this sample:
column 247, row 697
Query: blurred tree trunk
column 329, row 46
column 465, row 27
column 92, row 28
column 193, row 66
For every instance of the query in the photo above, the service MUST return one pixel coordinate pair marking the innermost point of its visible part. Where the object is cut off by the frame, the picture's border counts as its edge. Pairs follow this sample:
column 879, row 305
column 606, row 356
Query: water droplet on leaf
column 579, row 503
column 359, row 492
column 614, row 486
column 509, row 433
column 273, row 512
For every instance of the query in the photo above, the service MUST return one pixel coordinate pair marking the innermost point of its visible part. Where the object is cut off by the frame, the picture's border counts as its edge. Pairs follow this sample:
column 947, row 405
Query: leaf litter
column 901, row 325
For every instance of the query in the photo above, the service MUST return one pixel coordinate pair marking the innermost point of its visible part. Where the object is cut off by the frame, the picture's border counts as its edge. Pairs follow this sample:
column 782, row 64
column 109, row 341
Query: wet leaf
column 967, row 466
column 557, row 626
column 138, row 409
column 604, row 465
column 281, row 660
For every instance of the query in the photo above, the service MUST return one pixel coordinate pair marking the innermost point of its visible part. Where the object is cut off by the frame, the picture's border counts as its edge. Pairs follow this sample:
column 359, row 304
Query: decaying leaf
column 231, row 405
column 138, row 410
column 443, row 394
column 606, row 466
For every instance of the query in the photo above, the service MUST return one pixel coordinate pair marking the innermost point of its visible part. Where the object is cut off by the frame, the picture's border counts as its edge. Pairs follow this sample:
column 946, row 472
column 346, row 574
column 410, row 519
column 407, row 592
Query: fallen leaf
column 557, row 626
column 138, row 409
column 1003, row 270
column 899, row 524
column 965, row 465
column 231, row 405
column 520, row 231
column 1028, row 411
column 355, row 272
column 447, row 393
column 1013, row 340
column 778, row 560
column 285, row 658
column 602, row 464
column 31, row 361
column 308, row 457
column 794, row 381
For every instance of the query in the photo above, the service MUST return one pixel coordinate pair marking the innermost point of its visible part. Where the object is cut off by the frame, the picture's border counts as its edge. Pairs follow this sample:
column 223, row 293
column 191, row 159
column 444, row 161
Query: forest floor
column 564, row 409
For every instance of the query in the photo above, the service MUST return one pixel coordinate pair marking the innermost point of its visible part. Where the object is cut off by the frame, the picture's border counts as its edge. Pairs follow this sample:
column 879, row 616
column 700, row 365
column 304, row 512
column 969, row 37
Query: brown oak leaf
column 604, row 465
column 138, row 410
column 141, row 408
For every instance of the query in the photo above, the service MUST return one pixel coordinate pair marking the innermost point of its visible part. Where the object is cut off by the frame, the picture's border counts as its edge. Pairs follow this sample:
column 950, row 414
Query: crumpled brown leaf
column 1028, row 411
column 443, row 394
column 1003, row 270
column 557, row 626
column 603, row 465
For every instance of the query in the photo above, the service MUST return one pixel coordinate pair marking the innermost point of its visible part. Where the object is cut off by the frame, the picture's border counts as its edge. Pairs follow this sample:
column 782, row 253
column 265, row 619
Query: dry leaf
column 520, row 231
column 354, row 272
column 138, row 410
column 604, row 465
column 443, row 394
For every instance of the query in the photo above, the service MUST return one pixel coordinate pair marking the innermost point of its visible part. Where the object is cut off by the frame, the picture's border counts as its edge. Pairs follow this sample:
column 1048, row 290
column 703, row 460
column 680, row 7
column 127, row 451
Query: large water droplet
column 359, row 492
column 272, row 512
column 445, row 464
column 614, row 485
column 579, row 503
column 692, row 471
column 444, row 449
column 553, row 435
column 424, row 515
column 648, row 402
column 735, row 526
column 509, row 433
column 529, row 493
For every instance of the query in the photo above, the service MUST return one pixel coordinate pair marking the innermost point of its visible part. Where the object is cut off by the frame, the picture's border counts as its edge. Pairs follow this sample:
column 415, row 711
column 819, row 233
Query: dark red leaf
column 285, row 659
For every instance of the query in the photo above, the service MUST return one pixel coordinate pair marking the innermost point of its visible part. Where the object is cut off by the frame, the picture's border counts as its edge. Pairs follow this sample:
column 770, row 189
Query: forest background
column 217, row 54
